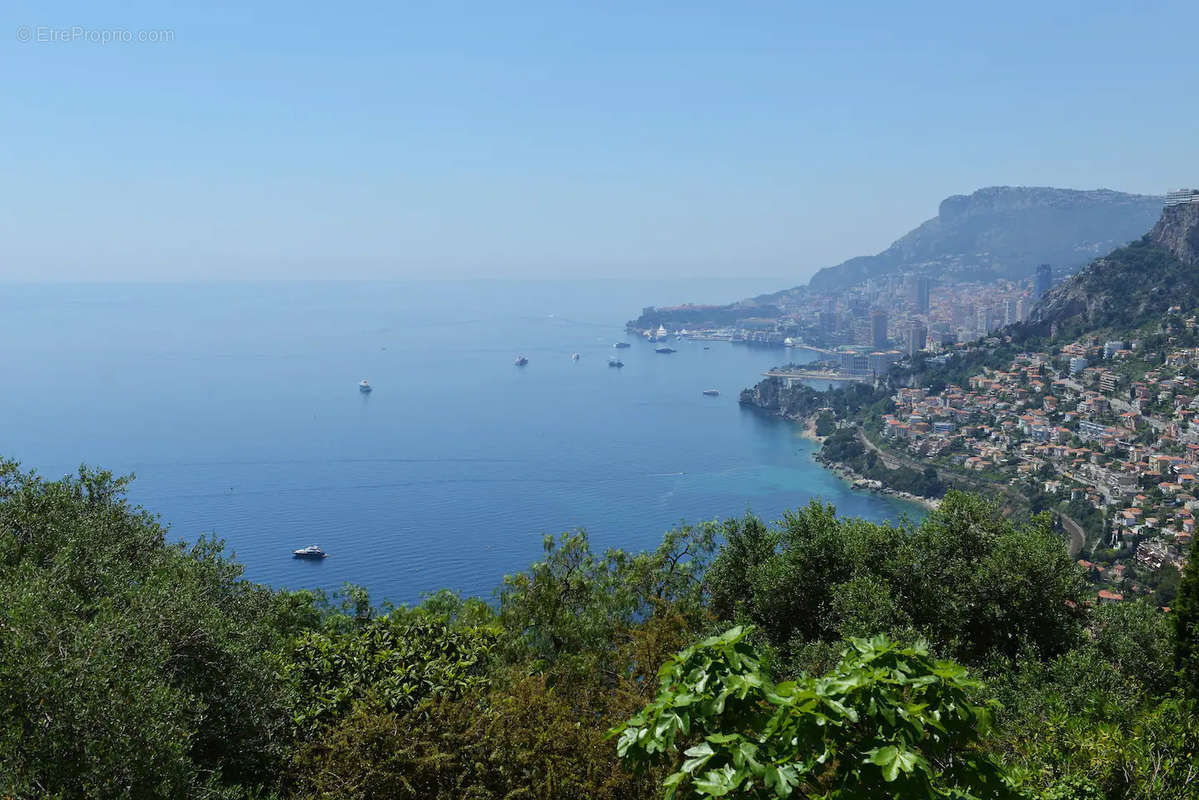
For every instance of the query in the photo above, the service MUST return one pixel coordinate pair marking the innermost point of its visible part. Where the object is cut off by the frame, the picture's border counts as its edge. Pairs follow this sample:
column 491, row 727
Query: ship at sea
column 364, row 386
column 521, row 361
column 615, row 362
column 621, row 345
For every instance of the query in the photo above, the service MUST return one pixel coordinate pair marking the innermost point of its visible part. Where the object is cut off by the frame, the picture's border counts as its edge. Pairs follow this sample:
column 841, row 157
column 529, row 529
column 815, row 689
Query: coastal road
column 1078, row 536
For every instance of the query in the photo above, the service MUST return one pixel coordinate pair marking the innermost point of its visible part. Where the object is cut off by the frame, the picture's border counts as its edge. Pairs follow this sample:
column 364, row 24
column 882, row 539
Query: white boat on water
column 521, row 361
column 311, row 551
column 574, row 356
column 364, row 385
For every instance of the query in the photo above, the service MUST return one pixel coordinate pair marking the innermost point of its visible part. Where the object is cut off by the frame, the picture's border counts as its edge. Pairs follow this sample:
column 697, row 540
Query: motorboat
column 615, row 362
column 364, row 385
column 665, row 349
column 621, row 345
column 711, row 392
column 311, row 551
column 521, row 361
column 574, row 356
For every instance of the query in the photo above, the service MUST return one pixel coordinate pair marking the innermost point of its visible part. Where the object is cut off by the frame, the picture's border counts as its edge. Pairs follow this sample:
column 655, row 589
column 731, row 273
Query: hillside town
column 1106, row 425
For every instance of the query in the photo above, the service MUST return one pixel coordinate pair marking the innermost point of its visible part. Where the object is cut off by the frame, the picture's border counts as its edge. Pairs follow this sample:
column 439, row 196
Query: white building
column 1179, row 196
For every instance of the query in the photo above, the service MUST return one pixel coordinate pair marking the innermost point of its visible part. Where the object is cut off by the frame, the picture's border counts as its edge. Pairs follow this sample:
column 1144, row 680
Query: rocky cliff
column 1005, row 232
column 1129, row 286
column 1178, row 232
column 773, row 395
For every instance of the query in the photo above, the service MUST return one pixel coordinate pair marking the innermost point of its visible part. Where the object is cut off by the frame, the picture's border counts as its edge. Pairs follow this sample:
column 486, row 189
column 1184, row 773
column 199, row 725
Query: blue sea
column 237, row 408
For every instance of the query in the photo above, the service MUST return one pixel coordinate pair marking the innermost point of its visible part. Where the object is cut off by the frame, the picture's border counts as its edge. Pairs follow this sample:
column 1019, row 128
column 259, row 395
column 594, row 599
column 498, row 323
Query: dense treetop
column 815, row 657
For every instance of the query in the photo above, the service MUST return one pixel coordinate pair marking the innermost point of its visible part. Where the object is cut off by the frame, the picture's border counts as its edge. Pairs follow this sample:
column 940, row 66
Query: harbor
column 790, row 375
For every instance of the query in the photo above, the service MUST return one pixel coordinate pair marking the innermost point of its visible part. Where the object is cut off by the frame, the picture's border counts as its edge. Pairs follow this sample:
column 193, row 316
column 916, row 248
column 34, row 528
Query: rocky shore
column 858, row 482
column 848, row 475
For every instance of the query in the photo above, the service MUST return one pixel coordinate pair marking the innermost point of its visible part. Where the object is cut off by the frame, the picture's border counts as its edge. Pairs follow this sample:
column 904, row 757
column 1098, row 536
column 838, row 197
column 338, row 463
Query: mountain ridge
column 1005, row 232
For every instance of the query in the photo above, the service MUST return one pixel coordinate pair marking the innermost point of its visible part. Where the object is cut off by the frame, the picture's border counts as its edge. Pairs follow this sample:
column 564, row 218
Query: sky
column 559, row 139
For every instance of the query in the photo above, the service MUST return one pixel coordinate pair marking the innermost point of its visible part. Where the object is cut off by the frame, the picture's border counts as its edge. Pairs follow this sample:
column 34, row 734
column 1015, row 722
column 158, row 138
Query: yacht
column 615, row 362
column 711, row 392
column 364, row 385
column 621, row 345
column 665, row 349
column 521, row 361
column 661, row 334
column 311, row 551
column 574, row 356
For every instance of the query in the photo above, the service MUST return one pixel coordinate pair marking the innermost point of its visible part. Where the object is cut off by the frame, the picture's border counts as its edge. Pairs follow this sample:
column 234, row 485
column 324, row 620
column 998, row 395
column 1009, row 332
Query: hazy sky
column 559, row 138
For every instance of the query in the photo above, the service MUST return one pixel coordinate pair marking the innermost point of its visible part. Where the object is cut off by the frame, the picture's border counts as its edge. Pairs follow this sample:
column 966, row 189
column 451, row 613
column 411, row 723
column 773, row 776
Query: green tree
column 888, row 722
column 129, row 668
column 389, row 664
column 968, row 579
column 570, row 610
column 1186, row 627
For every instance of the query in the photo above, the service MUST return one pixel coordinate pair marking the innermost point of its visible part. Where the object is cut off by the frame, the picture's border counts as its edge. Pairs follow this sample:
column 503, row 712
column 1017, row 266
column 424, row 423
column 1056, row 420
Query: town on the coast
column 1071, row 391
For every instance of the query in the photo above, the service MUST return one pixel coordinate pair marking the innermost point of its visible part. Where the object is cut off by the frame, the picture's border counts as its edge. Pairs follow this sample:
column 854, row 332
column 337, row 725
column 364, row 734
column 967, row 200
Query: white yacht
column 364, row 385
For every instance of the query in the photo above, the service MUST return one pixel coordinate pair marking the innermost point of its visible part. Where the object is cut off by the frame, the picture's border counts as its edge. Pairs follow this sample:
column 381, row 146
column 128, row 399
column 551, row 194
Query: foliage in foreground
column 132, row 668
column 887, row 722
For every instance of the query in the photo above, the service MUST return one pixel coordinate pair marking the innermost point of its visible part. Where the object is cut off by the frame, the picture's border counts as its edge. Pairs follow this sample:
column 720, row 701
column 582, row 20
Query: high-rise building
column 1044, row 280
column 878, row 329
column 1022, row 307
column 915, row 336
column 1011, row 312
column 920, row 293
column 984, row 324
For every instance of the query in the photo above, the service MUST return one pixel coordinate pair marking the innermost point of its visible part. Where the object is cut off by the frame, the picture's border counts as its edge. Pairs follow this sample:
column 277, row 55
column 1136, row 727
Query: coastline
column 856, row 481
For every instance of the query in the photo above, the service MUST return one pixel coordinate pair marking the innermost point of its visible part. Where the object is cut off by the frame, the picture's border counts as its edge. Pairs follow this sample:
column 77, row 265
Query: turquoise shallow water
column 236, row 407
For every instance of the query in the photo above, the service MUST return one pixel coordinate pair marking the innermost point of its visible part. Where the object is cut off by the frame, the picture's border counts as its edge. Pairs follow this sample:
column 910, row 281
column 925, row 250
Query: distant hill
column 1129, row 286
column 1005, row 232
